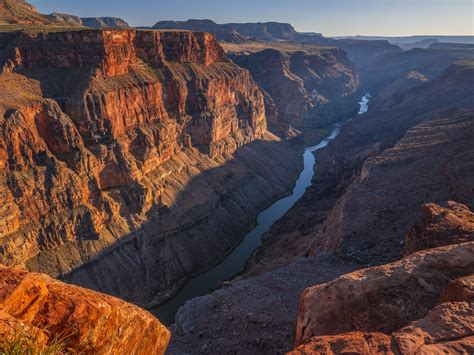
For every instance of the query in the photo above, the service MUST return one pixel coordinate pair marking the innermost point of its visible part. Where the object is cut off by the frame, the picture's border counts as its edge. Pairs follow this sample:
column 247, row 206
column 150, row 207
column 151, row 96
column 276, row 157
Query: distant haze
column 331, row 17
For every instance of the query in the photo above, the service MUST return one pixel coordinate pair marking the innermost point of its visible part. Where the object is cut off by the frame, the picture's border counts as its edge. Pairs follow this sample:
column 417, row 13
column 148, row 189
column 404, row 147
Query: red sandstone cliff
column 37, row 306
column 103, row 138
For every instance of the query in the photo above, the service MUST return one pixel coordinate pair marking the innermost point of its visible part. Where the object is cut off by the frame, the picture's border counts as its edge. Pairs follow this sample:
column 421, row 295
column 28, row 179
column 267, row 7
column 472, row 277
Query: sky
column 330, row 17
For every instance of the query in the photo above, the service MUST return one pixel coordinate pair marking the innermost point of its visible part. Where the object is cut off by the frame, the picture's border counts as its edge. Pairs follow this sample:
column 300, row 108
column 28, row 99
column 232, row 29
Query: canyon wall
column 146, row 151
column 309, row 87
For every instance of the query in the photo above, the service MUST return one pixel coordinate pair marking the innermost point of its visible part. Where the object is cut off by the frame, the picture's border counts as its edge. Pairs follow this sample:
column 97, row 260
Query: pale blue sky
column 331, row 17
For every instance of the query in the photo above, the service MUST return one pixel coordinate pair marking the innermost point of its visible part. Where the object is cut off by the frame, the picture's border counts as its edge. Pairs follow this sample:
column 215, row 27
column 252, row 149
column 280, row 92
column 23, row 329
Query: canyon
column 363, row 209
column 226, row 178
column 128, row 155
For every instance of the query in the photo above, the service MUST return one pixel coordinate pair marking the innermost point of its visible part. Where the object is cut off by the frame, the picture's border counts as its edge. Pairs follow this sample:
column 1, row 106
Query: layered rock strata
column 308, row 86
column 143, row 150
column 37, row 306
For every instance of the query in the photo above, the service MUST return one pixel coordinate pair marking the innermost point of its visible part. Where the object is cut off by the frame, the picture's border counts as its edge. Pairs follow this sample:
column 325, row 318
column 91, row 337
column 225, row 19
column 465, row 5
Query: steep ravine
column 235, row 262
column 273, row 312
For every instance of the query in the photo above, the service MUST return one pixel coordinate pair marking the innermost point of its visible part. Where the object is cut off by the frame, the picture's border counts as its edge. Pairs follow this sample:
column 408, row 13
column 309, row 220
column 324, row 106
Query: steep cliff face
column 370, row 228
column 37, row 306
column 123, row 140
column 309, row 87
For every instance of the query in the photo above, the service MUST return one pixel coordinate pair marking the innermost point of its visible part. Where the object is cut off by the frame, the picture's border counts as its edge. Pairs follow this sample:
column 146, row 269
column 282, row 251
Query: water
column 235, row 261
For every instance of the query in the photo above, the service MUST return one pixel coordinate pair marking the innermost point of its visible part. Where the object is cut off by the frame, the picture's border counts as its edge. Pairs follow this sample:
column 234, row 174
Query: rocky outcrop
column 445, row 329
column 309, row 87
column 88, row 321
column 104, row 22
column 130, row 145
column 404, row 291
column 439, row 226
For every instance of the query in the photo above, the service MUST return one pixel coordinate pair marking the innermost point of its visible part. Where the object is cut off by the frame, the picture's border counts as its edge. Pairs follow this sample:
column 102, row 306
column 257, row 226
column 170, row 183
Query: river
column 235, row 262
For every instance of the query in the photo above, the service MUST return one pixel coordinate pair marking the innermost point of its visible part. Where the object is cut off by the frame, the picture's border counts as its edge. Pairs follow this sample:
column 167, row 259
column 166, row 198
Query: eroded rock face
column 429, row 164
column 92, row 322
column 403, row 292
column 119, row 137
column 307, row 87
column 452, row 224
column 447, row 328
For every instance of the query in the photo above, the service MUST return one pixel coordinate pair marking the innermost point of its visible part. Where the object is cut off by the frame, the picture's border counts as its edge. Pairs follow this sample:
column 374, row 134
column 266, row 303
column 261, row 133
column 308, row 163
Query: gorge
column 229, row 182
column 234, row 263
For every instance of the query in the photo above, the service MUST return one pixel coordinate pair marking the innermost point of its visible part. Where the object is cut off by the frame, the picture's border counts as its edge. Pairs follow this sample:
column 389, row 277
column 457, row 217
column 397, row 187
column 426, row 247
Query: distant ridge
column 20, row 12
column 104, row 22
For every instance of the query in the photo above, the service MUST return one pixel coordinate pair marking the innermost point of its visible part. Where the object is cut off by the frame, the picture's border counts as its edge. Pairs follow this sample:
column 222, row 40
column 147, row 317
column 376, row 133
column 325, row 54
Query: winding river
column 235, row 262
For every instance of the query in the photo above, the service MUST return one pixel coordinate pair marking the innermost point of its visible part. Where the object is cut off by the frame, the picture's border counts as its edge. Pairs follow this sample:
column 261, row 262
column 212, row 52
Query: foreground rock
column 91, row 322
column 447, row 328
column 403, row 291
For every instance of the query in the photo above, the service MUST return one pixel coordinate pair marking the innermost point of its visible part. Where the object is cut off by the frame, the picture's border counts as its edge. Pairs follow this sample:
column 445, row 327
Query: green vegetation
column 22, row 342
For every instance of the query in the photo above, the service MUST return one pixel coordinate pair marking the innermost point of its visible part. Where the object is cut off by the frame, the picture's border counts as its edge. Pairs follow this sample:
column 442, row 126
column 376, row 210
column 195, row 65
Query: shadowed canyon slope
column 114, row 150
column 310, row 86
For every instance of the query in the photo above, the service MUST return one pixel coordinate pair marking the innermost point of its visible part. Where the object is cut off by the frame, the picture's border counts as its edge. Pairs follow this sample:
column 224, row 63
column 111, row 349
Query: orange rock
column 95, row 323
column 87, row 122
column 447, row 329
column 460, row 290
column 441, row 226
column 384, row 298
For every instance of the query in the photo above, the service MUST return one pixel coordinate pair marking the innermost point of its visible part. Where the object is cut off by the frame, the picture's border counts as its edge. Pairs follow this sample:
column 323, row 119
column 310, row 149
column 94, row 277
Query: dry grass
column 253, row 47
column 22, row 342
column 5, row 27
